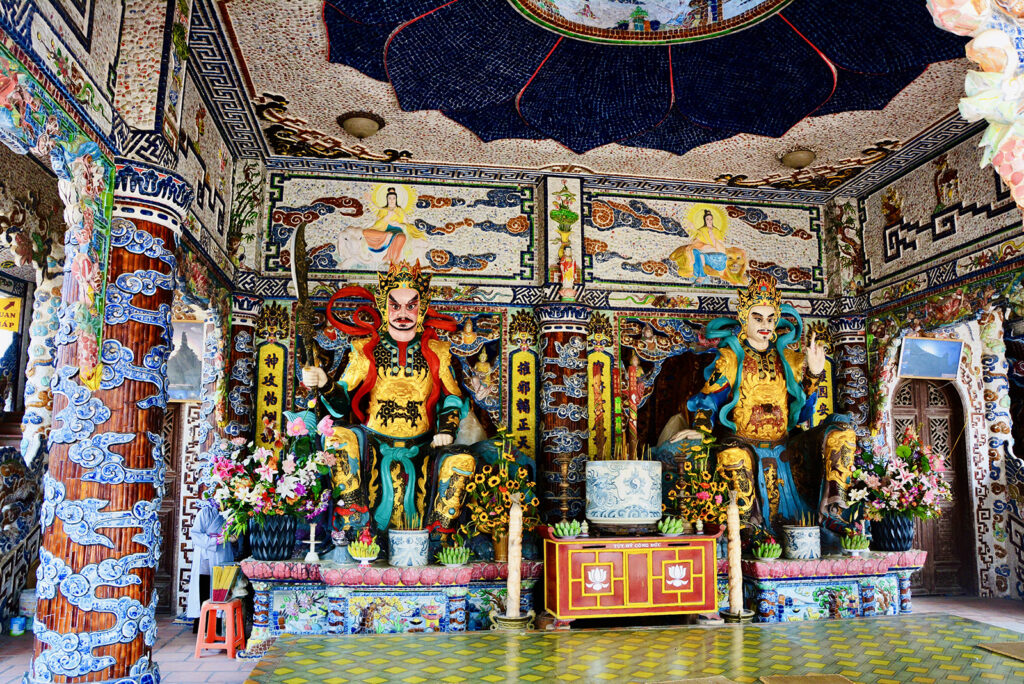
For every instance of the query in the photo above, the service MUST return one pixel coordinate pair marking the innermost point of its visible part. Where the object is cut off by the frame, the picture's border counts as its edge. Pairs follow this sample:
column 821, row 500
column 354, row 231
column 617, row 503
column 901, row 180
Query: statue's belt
column 402, row 452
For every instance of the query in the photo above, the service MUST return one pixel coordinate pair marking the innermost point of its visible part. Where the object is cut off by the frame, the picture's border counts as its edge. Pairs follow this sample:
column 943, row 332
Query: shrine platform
column 298, row 598
column 832, row 587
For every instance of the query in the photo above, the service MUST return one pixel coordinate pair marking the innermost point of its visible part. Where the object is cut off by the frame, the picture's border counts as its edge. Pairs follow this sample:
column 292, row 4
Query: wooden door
column 166, row 570
column 934, row 408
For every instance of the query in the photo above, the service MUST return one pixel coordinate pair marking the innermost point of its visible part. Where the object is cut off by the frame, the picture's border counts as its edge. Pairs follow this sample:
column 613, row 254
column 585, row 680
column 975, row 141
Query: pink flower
column 718, row 500
column 297, row 428
column 266, row 472
column 288, row 466
column 327, row 458
column 325, row 427
column 703, row 496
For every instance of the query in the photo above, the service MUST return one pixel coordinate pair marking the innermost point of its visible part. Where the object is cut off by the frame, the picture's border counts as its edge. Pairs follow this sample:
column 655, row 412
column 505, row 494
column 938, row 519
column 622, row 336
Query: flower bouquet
column 907, row 482
column 700, row 494
column 290, row 478
column 489, row 498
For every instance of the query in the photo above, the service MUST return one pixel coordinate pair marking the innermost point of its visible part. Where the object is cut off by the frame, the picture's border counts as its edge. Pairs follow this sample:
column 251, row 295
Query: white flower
column 678, row 575
column 597, row 579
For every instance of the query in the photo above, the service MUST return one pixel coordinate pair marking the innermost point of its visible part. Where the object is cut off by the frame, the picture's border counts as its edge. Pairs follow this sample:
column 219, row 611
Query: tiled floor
column 854, row 646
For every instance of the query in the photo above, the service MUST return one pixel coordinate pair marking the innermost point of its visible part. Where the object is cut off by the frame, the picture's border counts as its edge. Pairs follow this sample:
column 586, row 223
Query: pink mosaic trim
column 281, row 570
column 381, row 574
column 877, row 563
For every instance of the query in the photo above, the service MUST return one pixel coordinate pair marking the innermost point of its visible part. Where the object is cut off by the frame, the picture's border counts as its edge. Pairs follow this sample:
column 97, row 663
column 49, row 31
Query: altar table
column 834, row 587
column 593, row 577
column 294, row 597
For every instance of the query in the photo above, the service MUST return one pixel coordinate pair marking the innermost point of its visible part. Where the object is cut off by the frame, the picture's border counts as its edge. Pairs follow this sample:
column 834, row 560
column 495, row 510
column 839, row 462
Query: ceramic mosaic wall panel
column 635, row 240
column 357, row 227
column 94, row 96
column 78, row 41
column 206, row 163
column 943, row 220
column 189, row 497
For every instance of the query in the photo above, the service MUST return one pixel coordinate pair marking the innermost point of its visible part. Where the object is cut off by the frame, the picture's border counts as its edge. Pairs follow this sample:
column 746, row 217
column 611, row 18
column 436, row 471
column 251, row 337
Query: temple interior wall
column 915, row 254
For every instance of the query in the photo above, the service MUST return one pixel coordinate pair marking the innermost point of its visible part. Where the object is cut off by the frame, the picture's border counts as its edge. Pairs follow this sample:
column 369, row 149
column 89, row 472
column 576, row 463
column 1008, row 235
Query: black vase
column 275, row 539
column 892, row 533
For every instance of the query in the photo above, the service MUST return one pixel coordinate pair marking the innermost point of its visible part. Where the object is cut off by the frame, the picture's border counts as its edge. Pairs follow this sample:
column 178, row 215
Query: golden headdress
column 403, row 274
column 762, row 291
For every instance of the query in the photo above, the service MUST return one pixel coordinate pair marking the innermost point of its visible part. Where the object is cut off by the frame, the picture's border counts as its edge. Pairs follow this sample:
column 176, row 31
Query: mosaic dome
column 493, row 68
column 647, row 21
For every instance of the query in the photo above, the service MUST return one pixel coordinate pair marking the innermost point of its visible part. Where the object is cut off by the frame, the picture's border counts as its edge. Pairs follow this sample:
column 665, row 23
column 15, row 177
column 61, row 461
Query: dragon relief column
column 563, row 457
column 95, row 617
column 242, row 366
column 851, row 374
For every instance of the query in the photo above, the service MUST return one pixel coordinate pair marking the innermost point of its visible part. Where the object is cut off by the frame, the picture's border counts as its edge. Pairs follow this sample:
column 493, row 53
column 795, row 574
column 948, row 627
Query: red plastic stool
column 233, row 638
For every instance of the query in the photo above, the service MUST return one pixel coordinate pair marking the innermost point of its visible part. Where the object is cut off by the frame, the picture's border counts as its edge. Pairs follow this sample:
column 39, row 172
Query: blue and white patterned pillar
column 95, row 617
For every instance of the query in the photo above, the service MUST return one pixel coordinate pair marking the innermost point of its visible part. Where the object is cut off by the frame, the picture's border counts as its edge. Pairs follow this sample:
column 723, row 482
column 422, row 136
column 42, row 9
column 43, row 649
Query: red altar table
column 591, row 577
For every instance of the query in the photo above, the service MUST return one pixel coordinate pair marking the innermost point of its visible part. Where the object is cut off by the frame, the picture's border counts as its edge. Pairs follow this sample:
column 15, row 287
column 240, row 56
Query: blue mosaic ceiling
column 485, row 65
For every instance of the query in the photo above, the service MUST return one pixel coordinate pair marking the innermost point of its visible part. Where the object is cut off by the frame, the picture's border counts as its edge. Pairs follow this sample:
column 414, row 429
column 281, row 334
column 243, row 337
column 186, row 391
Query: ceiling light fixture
column 361, row 124
column 798, row 158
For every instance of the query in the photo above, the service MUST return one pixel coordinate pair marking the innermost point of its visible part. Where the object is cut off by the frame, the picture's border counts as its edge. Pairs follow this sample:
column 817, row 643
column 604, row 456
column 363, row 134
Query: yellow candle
column 515, row 557
column 732, row 520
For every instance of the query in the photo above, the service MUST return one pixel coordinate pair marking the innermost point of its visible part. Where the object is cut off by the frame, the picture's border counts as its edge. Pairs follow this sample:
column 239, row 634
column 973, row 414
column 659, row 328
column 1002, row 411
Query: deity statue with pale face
column 756, row 394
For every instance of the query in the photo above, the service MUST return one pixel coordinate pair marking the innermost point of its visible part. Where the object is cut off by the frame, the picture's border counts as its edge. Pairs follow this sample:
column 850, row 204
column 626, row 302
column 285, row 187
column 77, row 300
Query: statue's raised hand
column 815, row 355
column 687, row 434
column 314, row 377
column 442, row 440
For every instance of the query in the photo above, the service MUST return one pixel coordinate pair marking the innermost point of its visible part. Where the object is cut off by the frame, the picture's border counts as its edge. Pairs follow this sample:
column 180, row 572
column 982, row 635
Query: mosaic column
column 868, row 607
column 242, row 366
column 563, row 456
column 851, row 372
column 42, row 350
column 95, row 619
column 212, row 411
column 996, row 382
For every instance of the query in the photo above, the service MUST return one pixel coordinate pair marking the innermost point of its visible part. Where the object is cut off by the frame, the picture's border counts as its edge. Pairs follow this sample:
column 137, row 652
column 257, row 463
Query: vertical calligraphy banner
column 271, row 369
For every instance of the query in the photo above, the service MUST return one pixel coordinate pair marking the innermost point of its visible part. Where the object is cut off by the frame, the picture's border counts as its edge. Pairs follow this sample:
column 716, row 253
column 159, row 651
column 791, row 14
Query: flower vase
column 274, row 540
column 500, row 547
column 893, row 532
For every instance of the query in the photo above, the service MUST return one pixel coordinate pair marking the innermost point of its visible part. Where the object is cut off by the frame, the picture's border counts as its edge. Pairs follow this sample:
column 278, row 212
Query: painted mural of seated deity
column 756, row 393
column 401, row 405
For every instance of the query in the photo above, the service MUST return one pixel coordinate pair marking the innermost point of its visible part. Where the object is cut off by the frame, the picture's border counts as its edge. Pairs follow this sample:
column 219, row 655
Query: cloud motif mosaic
column 634, row 240
column 359, row 227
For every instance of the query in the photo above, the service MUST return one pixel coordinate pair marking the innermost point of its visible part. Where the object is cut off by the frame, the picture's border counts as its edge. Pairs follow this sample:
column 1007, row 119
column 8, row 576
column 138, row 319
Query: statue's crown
column 762, row 291
column 404, row 274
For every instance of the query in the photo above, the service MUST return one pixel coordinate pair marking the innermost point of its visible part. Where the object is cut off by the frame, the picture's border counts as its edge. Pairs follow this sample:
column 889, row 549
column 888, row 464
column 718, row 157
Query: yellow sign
column 273, row 358
column 601, row 414
column 10, row 313
column 825, row 405
column 522, row 398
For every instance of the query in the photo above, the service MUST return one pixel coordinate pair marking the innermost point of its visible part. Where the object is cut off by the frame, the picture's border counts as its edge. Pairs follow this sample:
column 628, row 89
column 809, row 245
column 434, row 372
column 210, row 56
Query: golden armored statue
column 756, row 393
column 400, row 391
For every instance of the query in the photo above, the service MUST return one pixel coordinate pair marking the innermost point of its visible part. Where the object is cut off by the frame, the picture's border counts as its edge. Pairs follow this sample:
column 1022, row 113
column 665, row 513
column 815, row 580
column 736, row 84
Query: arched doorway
column 935, row 409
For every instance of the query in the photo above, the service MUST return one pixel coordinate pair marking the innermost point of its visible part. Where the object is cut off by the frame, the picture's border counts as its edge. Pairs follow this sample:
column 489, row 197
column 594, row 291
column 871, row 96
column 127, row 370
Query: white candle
column 732, row 521
column 515, row 557
column 312, row 556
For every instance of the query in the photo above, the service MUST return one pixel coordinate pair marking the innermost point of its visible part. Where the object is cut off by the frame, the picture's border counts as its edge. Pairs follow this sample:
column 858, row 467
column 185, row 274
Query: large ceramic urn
column 624, row 492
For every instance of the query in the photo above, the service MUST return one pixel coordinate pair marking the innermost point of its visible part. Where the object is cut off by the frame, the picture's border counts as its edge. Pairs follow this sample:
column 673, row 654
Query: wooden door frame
column 953, row 390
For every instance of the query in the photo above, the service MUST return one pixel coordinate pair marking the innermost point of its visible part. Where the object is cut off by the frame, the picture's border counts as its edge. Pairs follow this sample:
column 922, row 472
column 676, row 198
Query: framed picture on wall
column 927, row 357
column 185, row 366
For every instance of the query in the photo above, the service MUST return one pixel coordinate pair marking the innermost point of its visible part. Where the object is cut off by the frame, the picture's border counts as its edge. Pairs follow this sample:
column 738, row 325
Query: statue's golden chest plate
column 398, row 403
column 762, row 412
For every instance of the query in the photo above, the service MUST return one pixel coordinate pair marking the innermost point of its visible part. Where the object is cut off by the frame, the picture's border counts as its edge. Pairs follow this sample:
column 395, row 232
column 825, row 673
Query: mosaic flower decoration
column 661, row 74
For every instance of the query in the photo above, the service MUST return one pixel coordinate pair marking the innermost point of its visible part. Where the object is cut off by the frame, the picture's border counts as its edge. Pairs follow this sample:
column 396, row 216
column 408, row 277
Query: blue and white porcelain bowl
column 408, row 548
column 624, row 492
column 801, row 542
